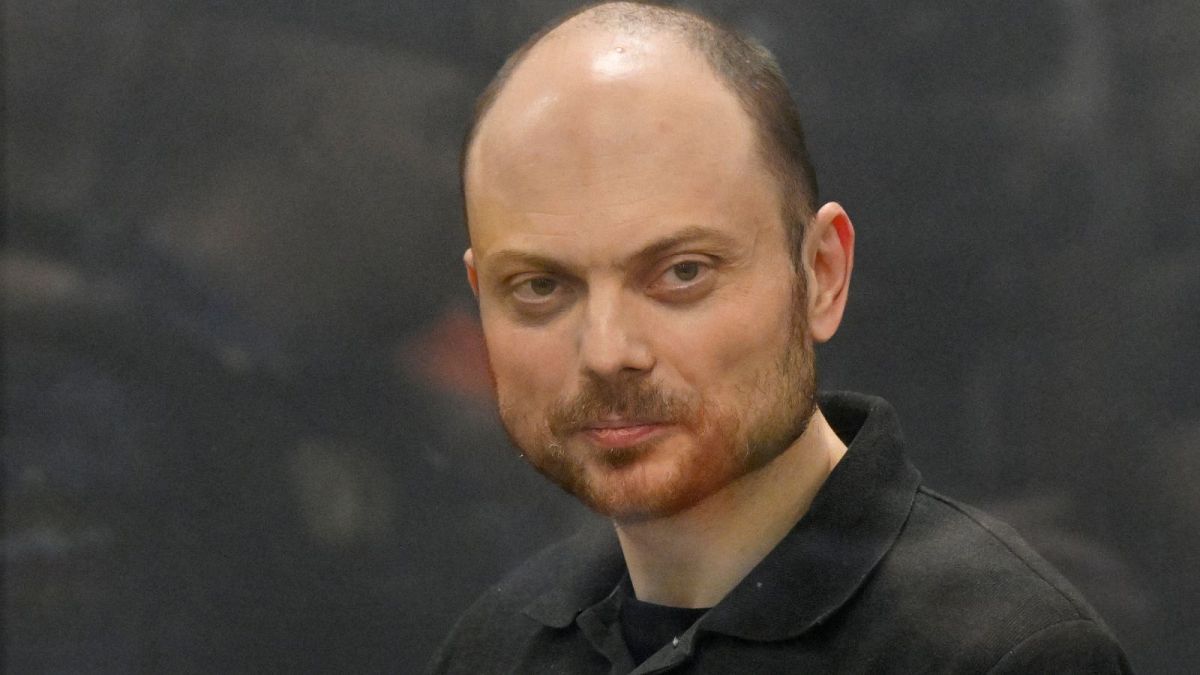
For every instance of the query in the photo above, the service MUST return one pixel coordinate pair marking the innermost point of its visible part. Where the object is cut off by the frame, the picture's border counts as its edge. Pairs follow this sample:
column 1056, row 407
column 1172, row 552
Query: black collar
column 815, row 569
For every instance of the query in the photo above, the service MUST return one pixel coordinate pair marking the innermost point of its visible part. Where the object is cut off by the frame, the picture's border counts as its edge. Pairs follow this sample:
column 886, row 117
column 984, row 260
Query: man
column 652, row 269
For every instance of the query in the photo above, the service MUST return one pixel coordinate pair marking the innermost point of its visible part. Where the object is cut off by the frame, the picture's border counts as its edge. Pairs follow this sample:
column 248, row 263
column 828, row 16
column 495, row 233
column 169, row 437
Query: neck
column 695, row 557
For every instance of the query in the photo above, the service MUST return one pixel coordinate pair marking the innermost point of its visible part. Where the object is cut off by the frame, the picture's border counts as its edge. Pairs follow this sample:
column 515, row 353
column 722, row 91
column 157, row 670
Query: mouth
column 622, row 433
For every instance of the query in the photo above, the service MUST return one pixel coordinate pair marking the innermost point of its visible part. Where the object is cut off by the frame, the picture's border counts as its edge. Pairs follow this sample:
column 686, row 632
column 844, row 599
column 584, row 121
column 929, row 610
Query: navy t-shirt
column 646, row 626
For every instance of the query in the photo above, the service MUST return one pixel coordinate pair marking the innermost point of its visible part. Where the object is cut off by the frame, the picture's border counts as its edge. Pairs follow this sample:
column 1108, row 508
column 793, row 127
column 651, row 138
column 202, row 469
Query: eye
column 542, row 286
column 686, row 271
column 535, row 289
column 684, row 280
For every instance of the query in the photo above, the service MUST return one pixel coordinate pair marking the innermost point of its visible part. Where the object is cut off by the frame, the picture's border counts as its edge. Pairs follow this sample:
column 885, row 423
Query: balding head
column 635, row 249
column 602, row 55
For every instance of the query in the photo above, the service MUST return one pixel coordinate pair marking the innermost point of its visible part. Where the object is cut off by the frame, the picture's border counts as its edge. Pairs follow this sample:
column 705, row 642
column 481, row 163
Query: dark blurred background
column 246, row 422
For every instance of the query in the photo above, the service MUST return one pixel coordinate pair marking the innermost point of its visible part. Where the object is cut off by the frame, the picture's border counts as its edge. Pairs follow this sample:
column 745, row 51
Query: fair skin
column 626, row 237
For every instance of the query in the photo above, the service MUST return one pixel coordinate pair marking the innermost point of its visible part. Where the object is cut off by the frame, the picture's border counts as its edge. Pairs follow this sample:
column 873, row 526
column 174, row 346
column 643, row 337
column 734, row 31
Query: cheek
column 734, row 341
column 529, row 365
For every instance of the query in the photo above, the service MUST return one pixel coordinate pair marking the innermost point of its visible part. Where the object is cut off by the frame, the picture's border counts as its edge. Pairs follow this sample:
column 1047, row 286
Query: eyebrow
column 512, row 258
column 688, row 235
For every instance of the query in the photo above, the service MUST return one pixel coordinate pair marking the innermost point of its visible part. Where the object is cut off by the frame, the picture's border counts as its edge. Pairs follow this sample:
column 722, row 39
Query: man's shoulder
column 544, row 590
column 967, row 550
column 966, row 583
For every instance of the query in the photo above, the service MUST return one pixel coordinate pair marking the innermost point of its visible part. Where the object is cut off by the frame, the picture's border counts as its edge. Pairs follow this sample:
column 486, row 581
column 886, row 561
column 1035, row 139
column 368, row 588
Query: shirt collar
column 588, row 573
column 815, row 569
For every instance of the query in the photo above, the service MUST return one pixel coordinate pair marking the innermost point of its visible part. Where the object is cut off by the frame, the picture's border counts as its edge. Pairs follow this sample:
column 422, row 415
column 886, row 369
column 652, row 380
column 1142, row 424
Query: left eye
column 686, row 271
column 684, row 280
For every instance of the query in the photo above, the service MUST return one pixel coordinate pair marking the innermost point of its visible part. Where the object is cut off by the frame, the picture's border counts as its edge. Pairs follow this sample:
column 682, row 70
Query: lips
column 621, row 433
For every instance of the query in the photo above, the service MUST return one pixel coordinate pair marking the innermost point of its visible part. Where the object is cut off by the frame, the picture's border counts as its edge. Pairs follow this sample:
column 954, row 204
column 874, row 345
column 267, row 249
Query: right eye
column 536, row 290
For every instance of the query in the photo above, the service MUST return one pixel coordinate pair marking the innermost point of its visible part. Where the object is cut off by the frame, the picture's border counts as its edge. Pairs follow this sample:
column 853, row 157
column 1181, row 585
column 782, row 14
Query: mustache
column 632, row 399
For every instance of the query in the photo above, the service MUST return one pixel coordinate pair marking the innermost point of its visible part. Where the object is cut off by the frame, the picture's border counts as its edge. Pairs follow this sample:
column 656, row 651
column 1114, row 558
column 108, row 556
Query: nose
column 611, row 340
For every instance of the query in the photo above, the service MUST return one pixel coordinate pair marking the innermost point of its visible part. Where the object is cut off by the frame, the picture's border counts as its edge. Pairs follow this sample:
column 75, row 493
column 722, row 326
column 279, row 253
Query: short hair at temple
column 740, row 63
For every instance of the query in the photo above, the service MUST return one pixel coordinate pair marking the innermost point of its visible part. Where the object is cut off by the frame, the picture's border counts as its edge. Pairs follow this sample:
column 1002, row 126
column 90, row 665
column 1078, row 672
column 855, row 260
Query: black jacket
column 881, row 575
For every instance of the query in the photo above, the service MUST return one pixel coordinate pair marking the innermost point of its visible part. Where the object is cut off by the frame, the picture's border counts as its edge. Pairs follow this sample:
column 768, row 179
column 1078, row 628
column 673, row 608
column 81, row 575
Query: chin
column 653, row 483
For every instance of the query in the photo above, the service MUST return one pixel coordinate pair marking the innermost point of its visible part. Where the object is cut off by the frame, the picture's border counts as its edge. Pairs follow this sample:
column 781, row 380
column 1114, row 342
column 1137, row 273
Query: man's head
column 742, row 65
column 649, row 309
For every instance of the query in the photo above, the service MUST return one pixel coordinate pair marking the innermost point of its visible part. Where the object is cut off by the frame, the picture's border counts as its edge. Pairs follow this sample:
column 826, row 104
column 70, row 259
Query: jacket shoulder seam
column 1083, row 621
column 1080, row 613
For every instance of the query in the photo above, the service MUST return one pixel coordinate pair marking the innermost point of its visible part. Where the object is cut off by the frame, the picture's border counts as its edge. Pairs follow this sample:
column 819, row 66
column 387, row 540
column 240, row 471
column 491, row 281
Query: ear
column 829, row 254
column 472, row 275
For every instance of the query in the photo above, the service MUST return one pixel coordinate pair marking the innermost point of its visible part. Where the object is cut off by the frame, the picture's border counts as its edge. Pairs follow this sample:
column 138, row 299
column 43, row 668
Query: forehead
column 596, row 126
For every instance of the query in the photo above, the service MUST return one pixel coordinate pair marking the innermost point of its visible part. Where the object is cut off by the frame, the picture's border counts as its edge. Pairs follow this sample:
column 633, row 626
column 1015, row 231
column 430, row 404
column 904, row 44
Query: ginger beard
column 709, row 445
